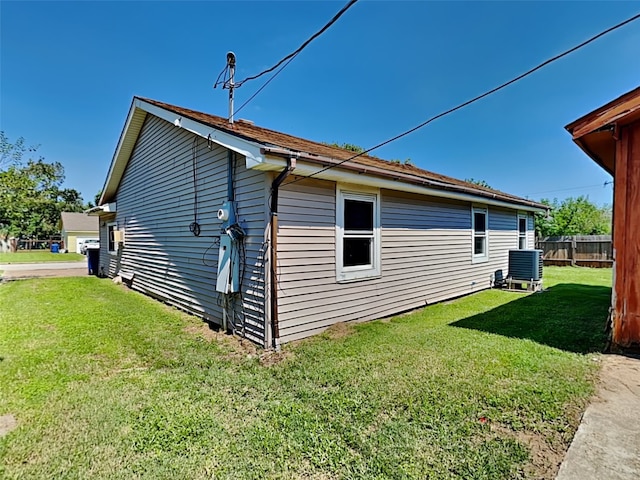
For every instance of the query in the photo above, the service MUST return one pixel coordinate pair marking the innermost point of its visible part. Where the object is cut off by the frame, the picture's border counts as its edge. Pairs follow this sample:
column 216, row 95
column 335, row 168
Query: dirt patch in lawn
column 544, row 458
column 8, row 423
column 237, row 349
column 10, row 275
column 339, row 330
column 271, row 357
column 204, row 331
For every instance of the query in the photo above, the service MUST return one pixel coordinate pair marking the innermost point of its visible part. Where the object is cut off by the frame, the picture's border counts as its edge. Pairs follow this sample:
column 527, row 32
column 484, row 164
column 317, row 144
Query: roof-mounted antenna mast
column 231, row 63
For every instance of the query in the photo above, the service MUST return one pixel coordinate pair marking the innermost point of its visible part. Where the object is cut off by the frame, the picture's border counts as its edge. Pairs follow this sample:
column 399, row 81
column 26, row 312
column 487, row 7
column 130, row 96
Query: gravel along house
column 278, row 238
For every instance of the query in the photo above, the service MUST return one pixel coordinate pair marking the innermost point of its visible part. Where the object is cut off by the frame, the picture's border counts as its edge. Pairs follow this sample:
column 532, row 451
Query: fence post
column 573, row 250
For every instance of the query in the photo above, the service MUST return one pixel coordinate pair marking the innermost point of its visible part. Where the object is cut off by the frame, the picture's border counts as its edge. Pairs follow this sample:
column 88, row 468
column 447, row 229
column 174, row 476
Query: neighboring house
column 610, row 135
column 278, row 238
column 75, row 228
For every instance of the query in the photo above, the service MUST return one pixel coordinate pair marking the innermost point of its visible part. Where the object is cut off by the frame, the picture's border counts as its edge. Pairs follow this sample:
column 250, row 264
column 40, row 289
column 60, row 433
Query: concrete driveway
column 19, row 271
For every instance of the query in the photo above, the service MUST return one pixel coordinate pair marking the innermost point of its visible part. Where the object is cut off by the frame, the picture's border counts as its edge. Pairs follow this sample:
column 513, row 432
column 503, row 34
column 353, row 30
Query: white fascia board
column 250, row 150
column 345, row 176
column 123, row 150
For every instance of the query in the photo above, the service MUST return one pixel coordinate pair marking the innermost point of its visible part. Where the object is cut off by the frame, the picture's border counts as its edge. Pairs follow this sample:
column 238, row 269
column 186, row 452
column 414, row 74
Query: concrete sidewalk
column 607, row 443
column 20, row 271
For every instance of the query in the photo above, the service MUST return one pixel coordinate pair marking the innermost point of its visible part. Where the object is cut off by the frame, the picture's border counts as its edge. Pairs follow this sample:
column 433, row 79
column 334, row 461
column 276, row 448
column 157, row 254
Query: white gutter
column 359, row 174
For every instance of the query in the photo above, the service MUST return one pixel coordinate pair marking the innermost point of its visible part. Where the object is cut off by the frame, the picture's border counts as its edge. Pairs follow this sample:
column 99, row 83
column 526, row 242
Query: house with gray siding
column 277, row 238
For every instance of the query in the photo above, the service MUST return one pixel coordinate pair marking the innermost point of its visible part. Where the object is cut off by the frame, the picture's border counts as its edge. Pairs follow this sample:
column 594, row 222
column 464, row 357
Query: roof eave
column 595, row 132
column 234, row 142
column 351, row 172
column 600, row 146
column 129, row 136
column 254, row 153
column 126, row 143
column 105, row 209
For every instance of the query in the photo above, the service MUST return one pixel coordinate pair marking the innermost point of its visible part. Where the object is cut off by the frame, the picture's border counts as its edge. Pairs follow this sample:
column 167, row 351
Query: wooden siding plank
column 626, row 238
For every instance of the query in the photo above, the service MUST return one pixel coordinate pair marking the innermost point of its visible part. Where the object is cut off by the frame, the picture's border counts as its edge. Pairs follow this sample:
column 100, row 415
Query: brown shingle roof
column 79, row 222
column 272, row 138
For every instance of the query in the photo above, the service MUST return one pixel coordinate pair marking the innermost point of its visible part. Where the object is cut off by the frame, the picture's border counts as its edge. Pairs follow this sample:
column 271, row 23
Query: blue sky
column 69, row 71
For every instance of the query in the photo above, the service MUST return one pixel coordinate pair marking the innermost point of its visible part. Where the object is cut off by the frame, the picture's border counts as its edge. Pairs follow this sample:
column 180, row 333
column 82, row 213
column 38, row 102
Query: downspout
column 275, row 328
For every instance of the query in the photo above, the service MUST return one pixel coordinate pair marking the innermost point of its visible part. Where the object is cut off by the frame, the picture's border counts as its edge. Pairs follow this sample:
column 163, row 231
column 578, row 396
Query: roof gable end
column 78, row 222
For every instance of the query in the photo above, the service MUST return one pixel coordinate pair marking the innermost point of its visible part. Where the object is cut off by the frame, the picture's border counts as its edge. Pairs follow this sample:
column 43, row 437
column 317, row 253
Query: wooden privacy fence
column 577, row 250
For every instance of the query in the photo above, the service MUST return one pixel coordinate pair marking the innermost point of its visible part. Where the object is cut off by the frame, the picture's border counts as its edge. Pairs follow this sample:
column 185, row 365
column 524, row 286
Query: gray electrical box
column 228, row 279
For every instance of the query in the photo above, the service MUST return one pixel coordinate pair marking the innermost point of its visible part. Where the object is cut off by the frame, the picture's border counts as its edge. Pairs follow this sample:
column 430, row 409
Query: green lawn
column 107, row 383
column 38, row 256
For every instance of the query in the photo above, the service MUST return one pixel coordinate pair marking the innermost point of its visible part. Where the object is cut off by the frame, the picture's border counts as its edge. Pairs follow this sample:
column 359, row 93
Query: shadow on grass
column 570, row 317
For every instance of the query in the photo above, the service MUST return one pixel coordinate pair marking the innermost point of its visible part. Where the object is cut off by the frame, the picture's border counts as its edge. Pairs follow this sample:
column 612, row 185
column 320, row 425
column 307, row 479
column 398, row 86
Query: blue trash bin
column 93, row 260
column 55, row 248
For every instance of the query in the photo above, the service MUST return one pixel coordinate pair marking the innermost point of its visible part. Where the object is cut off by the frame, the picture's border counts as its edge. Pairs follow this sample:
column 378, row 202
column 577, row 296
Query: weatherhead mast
column 231, row 63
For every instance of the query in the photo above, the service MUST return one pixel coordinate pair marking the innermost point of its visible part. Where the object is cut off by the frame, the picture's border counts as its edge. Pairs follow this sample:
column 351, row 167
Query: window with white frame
column 522, row 232
column 357, row 235
column 479, row 218
column 112, row 245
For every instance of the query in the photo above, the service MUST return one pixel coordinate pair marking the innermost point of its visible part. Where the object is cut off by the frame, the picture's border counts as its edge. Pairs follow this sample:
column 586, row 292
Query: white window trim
column 115, row 244
column 525, row 217
column 360, row 272
column 484, row 257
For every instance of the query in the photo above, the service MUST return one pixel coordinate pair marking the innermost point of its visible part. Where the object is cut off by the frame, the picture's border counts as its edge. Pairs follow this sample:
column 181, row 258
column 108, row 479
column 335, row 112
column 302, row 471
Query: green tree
column 573, row 216
column 480, row 183
column 96, row 199
column 31, row 195
column 347, row 146
column 12, row 153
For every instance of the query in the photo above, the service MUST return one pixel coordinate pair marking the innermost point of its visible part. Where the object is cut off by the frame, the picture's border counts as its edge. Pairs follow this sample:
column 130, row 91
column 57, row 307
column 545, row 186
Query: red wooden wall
column 626, row 238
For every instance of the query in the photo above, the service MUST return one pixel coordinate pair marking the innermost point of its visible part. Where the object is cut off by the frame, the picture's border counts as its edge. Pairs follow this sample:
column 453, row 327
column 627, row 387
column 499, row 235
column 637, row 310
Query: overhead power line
column 264, row 85
column 303, row 46
column 475, row 99
column 603, row 185
column 223, row 80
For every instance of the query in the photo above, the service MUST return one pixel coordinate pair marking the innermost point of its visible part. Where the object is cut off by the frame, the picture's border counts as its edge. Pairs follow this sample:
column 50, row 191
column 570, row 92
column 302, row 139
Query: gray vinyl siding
column 155, row 202
column 426, row 257
column 252, row 215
